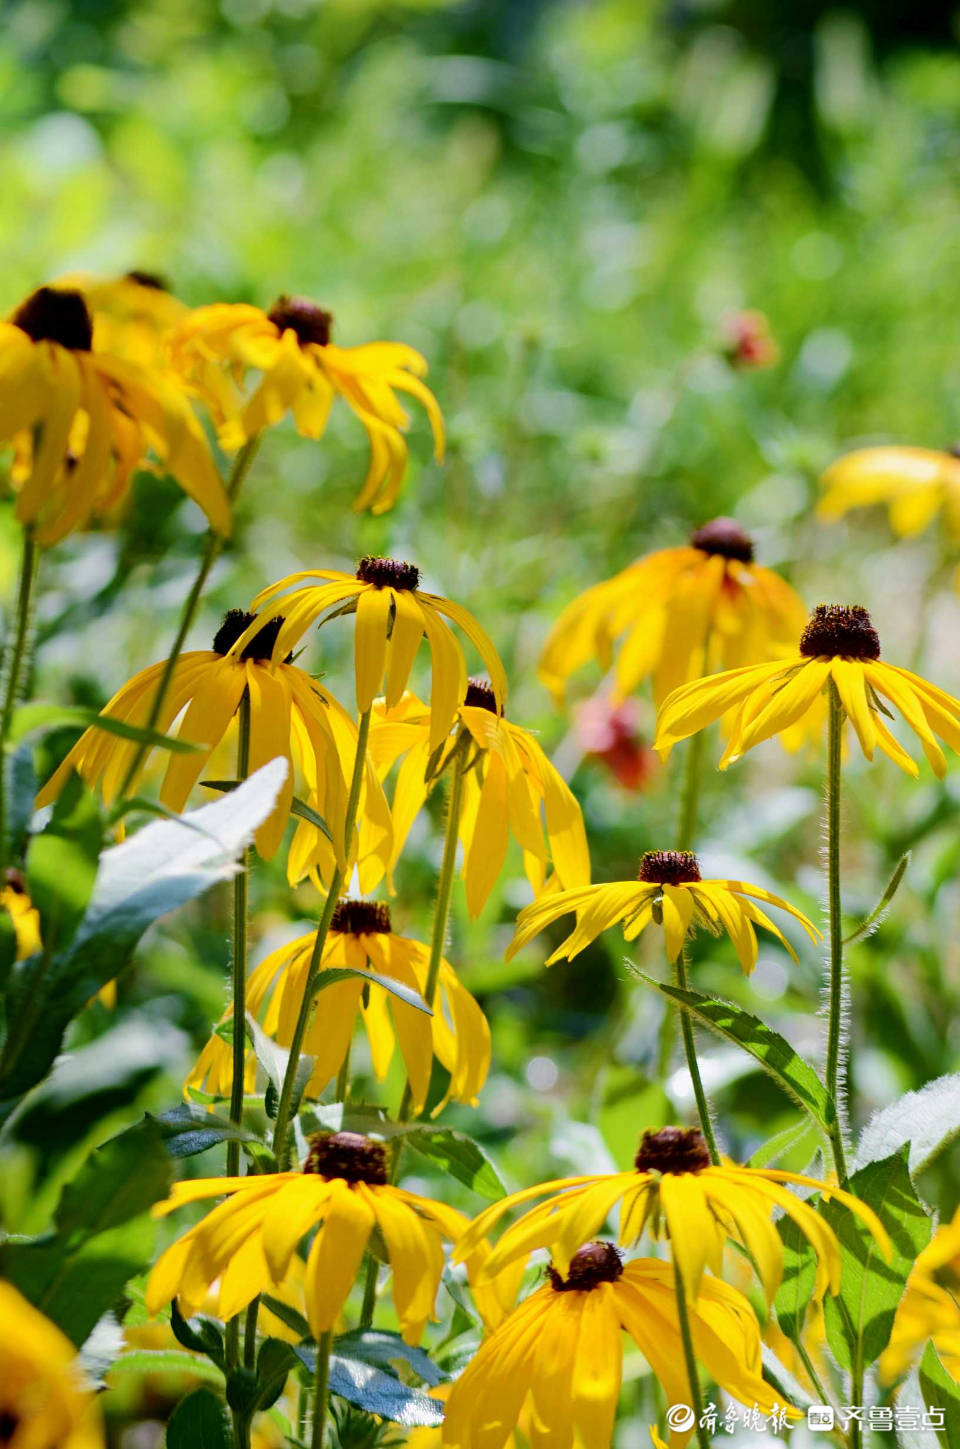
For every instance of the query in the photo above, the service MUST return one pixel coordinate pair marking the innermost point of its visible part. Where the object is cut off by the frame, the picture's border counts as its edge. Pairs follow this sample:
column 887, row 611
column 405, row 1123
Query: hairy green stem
column 686, row 1336
column 14, row 660
column 239, row 987
column 693, row 1066
column 321, row 1382
column 835, row 1005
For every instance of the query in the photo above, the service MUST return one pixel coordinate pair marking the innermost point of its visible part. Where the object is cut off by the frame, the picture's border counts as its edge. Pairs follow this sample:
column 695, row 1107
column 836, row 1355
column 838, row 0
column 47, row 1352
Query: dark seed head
column 672, row 1149
column 260, row 647
column 954, row 450
column 348, row 1155
column 361, row 918
column 844, row 630
column 725, row 537
column 15, row 881
column 310, row 322
column 9, row 1423
column 590, row 1265
column 481, row 696
column 51, row 315
column 669, row 867
column 148, row 279
column 388, row 573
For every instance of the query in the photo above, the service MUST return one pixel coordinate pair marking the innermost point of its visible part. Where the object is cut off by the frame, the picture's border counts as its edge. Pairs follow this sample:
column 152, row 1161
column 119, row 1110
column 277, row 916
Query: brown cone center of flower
column 152, row 280
column 260, row 647
column 361, row 918
column 388, row 573
column 590, row 1265
column 672, row 1149
column 310, row 322
column 9, row 1423
column 480, row 695
column 51, row 315
column 725, row 537
column 348, row 1155
column 840, row 629
column 669, row 867
column 15, row 881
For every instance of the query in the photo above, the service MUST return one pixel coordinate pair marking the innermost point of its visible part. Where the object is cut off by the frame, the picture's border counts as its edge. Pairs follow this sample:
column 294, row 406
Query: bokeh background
column 562, row 205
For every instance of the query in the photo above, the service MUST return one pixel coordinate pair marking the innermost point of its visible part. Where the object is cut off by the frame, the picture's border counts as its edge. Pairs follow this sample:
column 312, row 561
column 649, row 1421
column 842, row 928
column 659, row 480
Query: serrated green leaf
column 199, row 1422
column 928, row 1120
column 941, row 1391
column 187, row 1130
column 376, row 1346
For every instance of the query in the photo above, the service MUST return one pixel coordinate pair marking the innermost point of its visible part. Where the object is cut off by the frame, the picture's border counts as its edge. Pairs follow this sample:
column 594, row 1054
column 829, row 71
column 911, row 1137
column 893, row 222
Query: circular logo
column 680, row 1416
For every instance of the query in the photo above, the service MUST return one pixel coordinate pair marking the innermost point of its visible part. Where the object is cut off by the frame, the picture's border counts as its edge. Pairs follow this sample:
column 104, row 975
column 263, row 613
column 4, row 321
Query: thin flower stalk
column 836, row 984
column 14, row 669
column 689, row 1356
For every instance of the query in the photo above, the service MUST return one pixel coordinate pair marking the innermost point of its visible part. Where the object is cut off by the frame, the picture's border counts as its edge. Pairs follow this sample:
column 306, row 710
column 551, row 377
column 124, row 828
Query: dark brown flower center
column 361, row 918
column 725, row 537
column 388, row 573
column 672, row 1149
column 310, row 322
column 590, row 1265
column 348, row 1155
column 9, row 1423
column 51, row 315
column 148, row 279
column 840, row 629
column 260, row 647
column 480, row 695
column 15, row 881
column 669, row 867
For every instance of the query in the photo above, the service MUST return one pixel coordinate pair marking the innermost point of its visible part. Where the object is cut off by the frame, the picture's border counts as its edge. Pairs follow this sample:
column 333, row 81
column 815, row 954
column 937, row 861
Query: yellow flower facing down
column 658, row 615
column 509, row 788
column 291, row 715
column 23, row 913
column 44, row 1401
column 82, row 420
column 558, row 1357
column 393, row 615
column 360, row 938
column 131, row 314
column 669, row 891
column 840, row 647
column 929, row 1308
column 247, row 1241
column 674, row 1191
column 302, row 371
column 914, row 483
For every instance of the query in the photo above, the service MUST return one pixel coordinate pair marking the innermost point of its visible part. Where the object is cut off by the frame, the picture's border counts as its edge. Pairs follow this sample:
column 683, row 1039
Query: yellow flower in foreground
column 508, row 783
column 559, row 1354
column 838, row 646
column 667, row 606
column 929, row 1308
column 914, row 483
column 23, row 913
column 82, row 420
column 393, row 615
column 302, row 371
column 247, row 1242
column 131, row 314
column 669, row 891
column 44, row 1402
column 291, row 715
column 360, row 937
column 675, row 1192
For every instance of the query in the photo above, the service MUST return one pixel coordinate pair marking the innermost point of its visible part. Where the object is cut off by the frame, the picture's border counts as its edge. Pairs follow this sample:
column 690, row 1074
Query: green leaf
column 32, row 717
column 774, row 1054
column 273, row 1058
column 122, row 1179
column 199, row 1422
column 21, row 793
column 200, row 1334
column 298, row 807
column 275, row 1360
column 376, row 1346
column 859, row 1318
column 801, row 1137
column 62, row 864
column 187, row 1130
column 369, row 1388
column 892, row 886
column 799, row 1275
column 928, row 1120
column 406, row 994
column 458, row 1155
column 287, row 1315
column 941, row 1391
column 165, row 1361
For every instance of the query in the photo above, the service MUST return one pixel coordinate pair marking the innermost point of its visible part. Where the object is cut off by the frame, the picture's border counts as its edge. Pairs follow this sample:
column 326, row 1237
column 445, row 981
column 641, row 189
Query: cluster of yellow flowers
column 97, row 380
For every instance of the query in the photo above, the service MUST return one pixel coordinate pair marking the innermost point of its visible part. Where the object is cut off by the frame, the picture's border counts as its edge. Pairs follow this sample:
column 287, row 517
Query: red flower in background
column 610, row 734
column 748, row 342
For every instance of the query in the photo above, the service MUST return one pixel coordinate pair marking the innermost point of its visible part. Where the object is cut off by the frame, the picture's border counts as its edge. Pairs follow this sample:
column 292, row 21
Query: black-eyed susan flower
column 82, row 420
column 247, row 1242
column 929, row 1308
column 509, row 788
column 673, row 1190
column 45, row 1402
column 23, row 914
column 131, row 314
column 360, row 937
column 676, row 614
column 914, row 483
column 393, row 616
column 670, row 892
column 291, row 715
column 557, row 1358
column 301, row 371
column 839, row 648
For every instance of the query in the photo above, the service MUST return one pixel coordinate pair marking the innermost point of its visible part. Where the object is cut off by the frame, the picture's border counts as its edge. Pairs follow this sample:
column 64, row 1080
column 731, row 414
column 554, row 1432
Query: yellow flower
column 669, row 891
column 23, row 913
column 507, row 784
column 248, row 1241
column 559, row 1354
column 82, row 420
column 44, row 1402
column 291, row 715
column 393, row 615
column 839, row 645
column 302, row 371
column 131, row 314
column 929, row 1308
column 360, row 937
column 674, row 1191
column 913, row 482
column 667, row 607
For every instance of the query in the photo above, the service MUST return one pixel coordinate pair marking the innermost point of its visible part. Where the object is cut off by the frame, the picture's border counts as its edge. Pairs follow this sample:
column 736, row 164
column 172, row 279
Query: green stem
column 369, row 1292
column 343, row 1077
column 320, row 940
column 683, row 1316
column 690, row 796
column 250, row 1334
column 16, row 654
column 835, row 1008
column 693, row 1066
column 240, row 888
column 211, row 552
column 320, row 1385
